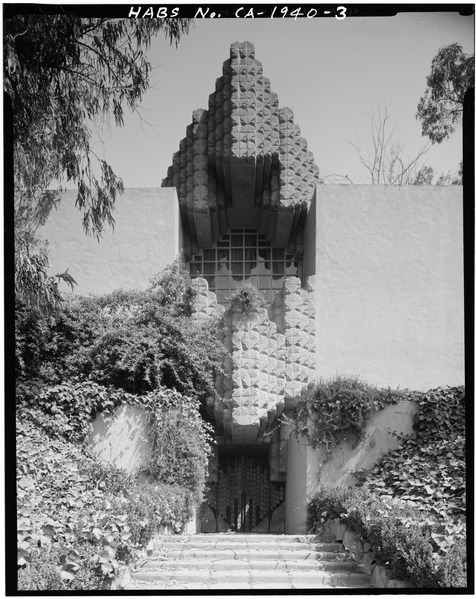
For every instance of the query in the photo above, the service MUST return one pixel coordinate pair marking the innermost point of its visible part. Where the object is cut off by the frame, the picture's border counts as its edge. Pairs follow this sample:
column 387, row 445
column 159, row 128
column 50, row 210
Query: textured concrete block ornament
column 243, row 150
column 244, row 165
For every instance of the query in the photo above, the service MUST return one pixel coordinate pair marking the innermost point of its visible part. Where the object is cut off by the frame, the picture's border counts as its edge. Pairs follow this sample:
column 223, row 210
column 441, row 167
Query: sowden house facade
column 358, row 279
column 245, row 181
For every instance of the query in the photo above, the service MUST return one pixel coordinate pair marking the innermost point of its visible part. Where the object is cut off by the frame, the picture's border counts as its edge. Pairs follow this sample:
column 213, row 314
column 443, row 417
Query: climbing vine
column 339, row 409
column 428, row 470
column 412, row 504
column 78, row 521
column 181, row 441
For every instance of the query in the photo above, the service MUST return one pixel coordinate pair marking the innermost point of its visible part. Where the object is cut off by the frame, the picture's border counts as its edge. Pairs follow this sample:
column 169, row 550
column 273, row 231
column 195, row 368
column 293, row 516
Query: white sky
column 329, row 72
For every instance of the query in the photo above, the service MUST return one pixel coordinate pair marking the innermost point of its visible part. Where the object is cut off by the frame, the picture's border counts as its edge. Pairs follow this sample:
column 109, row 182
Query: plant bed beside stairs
column 364, row 554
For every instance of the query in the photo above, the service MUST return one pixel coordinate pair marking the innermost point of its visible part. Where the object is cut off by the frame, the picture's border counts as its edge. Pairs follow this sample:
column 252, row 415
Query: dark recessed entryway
column 243, row 498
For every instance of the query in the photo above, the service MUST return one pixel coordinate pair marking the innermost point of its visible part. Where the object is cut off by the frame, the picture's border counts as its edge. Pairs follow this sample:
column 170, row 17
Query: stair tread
column 229, row 561
column 257, row 547
column 313, row 560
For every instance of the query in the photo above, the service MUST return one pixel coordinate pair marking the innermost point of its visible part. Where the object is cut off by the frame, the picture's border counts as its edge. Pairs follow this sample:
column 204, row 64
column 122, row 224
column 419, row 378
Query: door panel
column 243, row 496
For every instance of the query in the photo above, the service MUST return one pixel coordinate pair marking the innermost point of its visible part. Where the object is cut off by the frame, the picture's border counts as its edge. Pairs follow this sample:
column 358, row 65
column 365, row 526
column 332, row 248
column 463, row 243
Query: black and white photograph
column 238, row 298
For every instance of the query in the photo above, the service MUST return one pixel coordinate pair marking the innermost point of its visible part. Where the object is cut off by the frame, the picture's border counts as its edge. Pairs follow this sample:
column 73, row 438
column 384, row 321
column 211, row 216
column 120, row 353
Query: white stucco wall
column 122, row 438
column 146, row 237
column 389, row 266
column 384, row 432
column 308, row 469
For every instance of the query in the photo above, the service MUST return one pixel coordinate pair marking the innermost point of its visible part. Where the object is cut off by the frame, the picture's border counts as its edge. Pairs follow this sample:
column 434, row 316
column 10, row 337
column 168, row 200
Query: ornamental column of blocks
column 244, row 164
column 270, row 359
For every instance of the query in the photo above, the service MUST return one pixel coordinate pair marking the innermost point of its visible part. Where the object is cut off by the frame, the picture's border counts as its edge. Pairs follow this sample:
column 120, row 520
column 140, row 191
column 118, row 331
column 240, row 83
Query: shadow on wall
column 384, row 432
column 309, row 469
column 122, row 439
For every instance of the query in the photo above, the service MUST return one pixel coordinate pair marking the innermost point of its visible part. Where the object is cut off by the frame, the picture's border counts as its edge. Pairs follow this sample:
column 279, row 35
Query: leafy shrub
column 134, row 340
column 174, row 288
column 150, row 506
column 53, row 568
column 402, row 538
column 108, row 478
column 339, row 409
column 73, row 534
column 453, row 570
column 173, row 352
column 327, row 504
column 47, row 346
column 32, row 342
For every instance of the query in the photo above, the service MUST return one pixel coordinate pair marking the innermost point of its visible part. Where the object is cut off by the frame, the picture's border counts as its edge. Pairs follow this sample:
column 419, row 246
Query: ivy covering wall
column 80, row 520
column 411, row 505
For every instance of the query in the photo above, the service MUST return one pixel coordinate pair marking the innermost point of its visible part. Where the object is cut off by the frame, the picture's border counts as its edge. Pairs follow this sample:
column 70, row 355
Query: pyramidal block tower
column 245, row 180
column 243, row 162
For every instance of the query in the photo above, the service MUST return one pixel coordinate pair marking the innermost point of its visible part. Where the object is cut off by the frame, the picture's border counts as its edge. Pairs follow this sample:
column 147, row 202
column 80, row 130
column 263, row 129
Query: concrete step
column 218, row 564
column 240, row 561
column 237, row 538
column 244, row 554
column 251, row 577
column 139, row 589
column 243, row 546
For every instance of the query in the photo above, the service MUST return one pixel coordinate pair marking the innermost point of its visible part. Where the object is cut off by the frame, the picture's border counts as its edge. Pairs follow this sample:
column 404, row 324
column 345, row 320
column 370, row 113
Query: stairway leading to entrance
column 246, row 561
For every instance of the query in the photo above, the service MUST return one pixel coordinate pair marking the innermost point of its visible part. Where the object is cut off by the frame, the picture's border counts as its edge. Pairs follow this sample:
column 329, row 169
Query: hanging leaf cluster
column 338, row 409
column 65, row 76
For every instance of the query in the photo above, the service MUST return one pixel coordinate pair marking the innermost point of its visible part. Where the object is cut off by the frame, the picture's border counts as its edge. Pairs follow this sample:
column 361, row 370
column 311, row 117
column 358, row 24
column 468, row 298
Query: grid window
column 243, row 256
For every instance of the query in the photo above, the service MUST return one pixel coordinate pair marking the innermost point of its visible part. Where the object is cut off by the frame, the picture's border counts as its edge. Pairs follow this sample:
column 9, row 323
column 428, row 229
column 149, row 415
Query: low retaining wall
column 122, row 439
column 364, row 554
column 384, row 432
column 309, row 469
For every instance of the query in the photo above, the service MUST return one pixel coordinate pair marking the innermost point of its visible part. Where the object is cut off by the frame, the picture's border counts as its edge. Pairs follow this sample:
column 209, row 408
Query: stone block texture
column 271, row 357
column 243, row 145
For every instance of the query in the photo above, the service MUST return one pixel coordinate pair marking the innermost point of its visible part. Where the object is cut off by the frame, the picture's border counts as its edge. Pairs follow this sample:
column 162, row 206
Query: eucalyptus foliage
column 440, row 109
column 65, row 75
